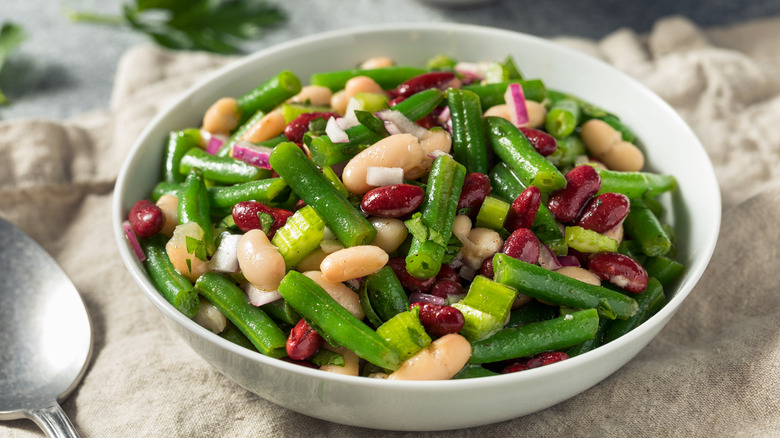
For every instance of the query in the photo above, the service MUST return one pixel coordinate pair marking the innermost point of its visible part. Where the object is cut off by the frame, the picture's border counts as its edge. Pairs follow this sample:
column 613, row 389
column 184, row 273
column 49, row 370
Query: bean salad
column 455, row 220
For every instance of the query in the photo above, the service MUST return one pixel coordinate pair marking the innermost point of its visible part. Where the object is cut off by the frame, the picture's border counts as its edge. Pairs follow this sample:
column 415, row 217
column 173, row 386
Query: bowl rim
column 140, row 278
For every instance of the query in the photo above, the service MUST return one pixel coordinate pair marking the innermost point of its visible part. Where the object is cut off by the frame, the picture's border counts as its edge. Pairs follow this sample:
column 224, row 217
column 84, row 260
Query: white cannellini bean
column 580, row 274
column 176, row 248
column 439, row 361
column 313, row 95
column 210, row 317
column 269, row 126
column 260, row 261
column 353, row 262
column 339, row 292
column 169, row 205
column 351, row 362
column 484, row 243
column 400, row 150
column 222, row 116
column 390, row 232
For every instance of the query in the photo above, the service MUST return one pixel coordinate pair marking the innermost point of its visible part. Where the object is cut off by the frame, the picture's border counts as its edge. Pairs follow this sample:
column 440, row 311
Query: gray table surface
column 66, row 68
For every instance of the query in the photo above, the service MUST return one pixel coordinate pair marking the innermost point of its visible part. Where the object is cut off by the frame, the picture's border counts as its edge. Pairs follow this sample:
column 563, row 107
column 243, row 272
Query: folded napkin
column 713, row 371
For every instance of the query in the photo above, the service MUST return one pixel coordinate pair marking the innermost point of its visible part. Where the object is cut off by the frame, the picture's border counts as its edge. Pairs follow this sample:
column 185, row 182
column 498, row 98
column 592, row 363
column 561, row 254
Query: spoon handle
column 53, row 421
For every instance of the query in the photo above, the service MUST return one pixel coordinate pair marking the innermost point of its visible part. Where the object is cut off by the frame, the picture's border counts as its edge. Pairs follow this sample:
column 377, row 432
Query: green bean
column 263, row 190
column 531, row 312
column 472, row 371
column 642, row 225
column 468, row 133
column 527, row 340
column 635, row 184
column 281, row 311
column 165, row 188
column 335, row 322
column 234, row 335
column 438, row 214
column 226, row 170
column 649, row 300
column 552, row 287
column 255, row 324
column 179, row 142
column 507, row 184
column 386, row 77
column 302, row 175
column 517, row 152
column 383, row 294
column 173, row 286
column 568, row 150
column 664, row 269
column 268, row 95
column 590, row 111
column 194, row 206
column 562, row 118
column 493, row 94
column 596, row 341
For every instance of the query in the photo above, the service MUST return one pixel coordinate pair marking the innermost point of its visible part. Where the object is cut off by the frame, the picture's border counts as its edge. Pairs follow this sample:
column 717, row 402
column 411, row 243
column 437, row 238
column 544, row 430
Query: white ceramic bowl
column 671, row 148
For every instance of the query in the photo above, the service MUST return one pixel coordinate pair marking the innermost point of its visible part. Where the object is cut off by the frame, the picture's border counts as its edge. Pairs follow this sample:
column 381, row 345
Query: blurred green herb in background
column 11, row 35
column 212, row 25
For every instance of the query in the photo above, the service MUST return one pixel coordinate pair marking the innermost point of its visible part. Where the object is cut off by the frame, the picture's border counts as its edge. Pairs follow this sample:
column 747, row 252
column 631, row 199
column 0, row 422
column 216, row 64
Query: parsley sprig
column 212, row 25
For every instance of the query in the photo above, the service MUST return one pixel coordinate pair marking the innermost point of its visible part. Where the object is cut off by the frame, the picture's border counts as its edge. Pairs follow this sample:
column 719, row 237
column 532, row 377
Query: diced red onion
column 133, row 241
column 470, row 70
column 417, row 297
column 260, row 297
column 436, row 153
column 384, row 176
column 396, row 121
column 225, row 258
column 569, row 260
column 547, row 258
column 353, row 283
column 348, row 121
column 467, row 273
column 215, row 143
column 252, row 154
column 515, row 98
column 335, row 132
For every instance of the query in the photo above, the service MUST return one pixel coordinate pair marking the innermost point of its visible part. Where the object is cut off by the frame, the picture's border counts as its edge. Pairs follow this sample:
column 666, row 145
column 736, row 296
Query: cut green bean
column 553, row 287
column 468, row 132
column 588, row 241
column 268, row 95
column 493, row 94
column 517, row 152
column 531, row 312
column 642, row 225
column 554, row 334
column 382, row 294
column 234, row 335
column 492, row 214
column 263, row 190
column 314, row 304
column 194, row 206
column 386, row 77
column 568, row 150
column 635, row 184
column 226, row 170
column 281, row 311
column 302, row 175
column 664, row 269
column 649, row 300
column 179, row 142
column 437, row 214
column 165, row 188
column 226, row 296
column 596, row 341
column 173, row 286
column 562, row 118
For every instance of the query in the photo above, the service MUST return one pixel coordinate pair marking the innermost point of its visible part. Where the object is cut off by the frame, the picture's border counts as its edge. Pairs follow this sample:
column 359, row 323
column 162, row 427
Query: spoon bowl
column 45, row 334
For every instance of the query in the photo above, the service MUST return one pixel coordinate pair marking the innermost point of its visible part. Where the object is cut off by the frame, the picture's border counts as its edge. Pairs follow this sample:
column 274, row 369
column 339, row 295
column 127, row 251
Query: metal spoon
column 45, row 334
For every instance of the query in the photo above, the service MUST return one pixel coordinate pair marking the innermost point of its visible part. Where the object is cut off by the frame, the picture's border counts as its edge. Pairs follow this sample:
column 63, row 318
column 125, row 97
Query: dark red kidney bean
column 535, row 361
column 300, row 204
column 582, row 183
column 447, row 272
column 523, row 245
column 245, row 215
column 445, row 288
column 303, row 341
column 582, row 257
column 300, row 125
column 440, row 320
column 395, row 200
column 409, row 281
column 145, row 218
column 435, row 79
column 476, row 187
column 604, row 212
column 543, row 142
column 428, row 122
column 620, row 270
column 522, row 212
column 487, row 268
column 395, row 101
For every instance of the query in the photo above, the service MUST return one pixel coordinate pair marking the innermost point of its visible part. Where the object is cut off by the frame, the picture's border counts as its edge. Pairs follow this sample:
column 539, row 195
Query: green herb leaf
column 372, row 122
column 327, row 357
column 423, row 232
column 453, row 248
column 196, row 247
column 11, row 36
column 212, row 25
column 266, row 221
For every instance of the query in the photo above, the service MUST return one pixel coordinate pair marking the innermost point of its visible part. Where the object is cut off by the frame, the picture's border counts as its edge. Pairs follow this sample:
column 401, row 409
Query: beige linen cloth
column 713, row 371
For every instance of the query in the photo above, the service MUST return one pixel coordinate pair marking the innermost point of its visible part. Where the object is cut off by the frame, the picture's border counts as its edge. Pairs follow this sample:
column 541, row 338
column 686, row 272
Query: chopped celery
column 405, row 333
column 291, row 111
column 584, row 240
column 485, row 308
column 492, row 213
column 301, row 235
